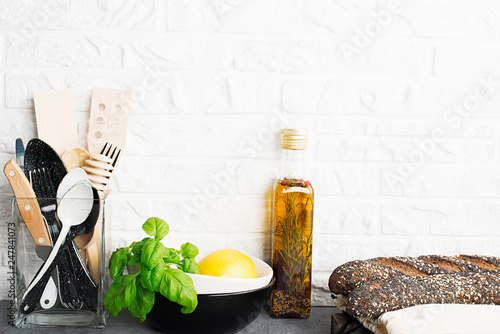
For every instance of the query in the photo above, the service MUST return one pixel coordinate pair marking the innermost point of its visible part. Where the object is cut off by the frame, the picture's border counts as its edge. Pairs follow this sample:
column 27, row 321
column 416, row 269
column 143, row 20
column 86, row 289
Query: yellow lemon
column 228, row 263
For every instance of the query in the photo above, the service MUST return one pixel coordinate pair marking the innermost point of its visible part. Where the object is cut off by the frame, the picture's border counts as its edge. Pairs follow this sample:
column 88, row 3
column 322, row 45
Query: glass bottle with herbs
column 293, row 200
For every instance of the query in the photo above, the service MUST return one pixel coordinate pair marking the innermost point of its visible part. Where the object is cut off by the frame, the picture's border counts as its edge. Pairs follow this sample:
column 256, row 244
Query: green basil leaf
column 118, row 261
column 119, row 294
column 156, row 227
column 189, row 250
column 171, row 256
column 146, row 278
column 143, row 302
column 137, row 251
column 130, row 292
column 151, row 279
column 157, row 275
column 190, row 266
column 137, row 246
column 135, row 259
column 152, row 253
column 178, row 288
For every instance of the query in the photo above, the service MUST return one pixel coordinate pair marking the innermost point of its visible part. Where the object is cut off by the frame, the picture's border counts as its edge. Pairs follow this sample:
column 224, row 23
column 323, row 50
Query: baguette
column 348, row 276
column 374, row 298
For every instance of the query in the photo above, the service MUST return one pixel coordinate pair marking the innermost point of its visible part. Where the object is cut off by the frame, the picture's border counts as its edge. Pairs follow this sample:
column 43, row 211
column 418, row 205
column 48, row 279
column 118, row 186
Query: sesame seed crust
column 372, row 287
column 354, row 273
column 466, row 287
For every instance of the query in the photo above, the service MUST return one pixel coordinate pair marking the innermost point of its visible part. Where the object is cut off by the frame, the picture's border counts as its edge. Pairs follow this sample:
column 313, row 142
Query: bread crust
column 384, row 284
column 351, row 274
column 487, row 262
column 466, row 287
column 452, row 263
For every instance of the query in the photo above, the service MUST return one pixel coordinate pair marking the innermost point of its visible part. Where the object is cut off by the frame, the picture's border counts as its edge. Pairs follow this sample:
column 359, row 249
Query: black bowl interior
column 215, row 314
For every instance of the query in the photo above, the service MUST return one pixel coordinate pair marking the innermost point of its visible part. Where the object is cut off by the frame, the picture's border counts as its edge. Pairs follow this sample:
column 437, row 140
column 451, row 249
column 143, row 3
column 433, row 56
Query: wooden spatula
column 55, row 119
column 108, row 122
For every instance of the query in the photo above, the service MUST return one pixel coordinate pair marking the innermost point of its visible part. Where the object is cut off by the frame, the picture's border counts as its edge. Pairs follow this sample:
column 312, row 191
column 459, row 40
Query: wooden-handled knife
column 32, row 216
column 27, row 203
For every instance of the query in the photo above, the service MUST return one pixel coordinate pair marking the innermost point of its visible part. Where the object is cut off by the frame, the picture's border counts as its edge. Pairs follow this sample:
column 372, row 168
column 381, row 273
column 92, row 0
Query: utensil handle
column 93, row 260
column 67, row 290
column 49, row 295
column 35, row 289
column 75, row 282
column 86, row 287
column 45, row 291
column 31, row 297
column 27, row 203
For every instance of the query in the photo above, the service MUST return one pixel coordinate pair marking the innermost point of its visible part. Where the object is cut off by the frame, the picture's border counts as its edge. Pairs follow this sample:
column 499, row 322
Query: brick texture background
column 402, row 99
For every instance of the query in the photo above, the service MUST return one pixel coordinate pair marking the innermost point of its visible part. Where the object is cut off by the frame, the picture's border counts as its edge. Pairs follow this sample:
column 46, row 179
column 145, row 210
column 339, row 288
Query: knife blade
column 32, row 216
column 20, row 153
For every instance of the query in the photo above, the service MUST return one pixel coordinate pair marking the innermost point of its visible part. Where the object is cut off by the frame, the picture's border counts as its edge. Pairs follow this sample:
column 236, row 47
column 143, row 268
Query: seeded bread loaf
column 377, row 297
column 355, row 273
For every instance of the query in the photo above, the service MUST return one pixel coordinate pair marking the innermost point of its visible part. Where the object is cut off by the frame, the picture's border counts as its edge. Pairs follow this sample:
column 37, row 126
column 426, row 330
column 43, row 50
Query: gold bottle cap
column 294, row 139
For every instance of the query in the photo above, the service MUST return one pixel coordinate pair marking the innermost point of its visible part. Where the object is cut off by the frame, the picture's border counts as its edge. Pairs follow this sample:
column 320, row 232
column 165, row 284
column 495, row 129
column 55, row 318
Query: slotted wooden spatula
column 55, row 119
column 108, row 122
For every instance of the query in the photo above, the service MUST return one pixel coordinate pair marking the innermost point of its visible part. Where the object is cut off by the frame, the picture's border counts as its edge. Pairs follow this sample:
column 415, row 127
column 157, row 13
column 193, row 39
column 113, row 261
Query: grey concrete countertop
column 318, row 323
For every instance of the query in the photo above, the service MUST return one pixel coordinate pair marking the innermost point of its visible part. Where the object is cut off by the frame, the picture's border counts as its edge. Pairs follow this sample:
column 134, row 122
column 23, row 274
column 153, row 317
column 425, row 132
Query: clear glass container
column 73, row 294
column 293, row 201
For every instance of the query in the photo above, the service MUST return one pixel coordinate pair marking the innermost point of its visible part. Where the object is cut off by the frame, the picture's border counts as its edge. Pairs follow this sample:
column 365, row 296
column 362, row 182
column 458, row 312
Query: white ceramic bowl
column 205, row 284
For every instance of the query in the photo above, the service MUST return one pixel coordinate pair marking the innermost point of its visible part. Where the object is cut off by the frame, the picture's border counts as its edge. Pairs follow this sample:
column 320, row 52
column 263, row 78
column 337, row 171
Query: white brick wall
column 403, row 116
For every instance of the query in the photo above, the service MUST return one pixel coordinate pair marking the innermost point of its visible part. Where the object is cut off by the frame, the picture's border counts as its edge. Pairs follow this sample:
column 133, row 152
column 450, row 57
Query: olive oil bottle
column 293, row 202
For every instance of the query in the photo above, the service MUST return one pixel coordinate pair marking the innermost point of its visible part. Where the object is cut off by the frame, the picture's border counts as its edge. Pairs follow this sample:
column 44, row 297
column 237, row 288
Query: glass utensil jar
column 293, row 200
column 56, row 308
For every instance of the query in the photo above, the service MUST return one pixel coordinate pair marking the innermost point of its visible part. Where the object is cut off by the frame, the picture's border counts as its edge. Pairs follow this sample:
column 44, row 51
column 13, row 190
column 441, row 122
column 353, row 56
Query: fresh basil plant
column 160, row 269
